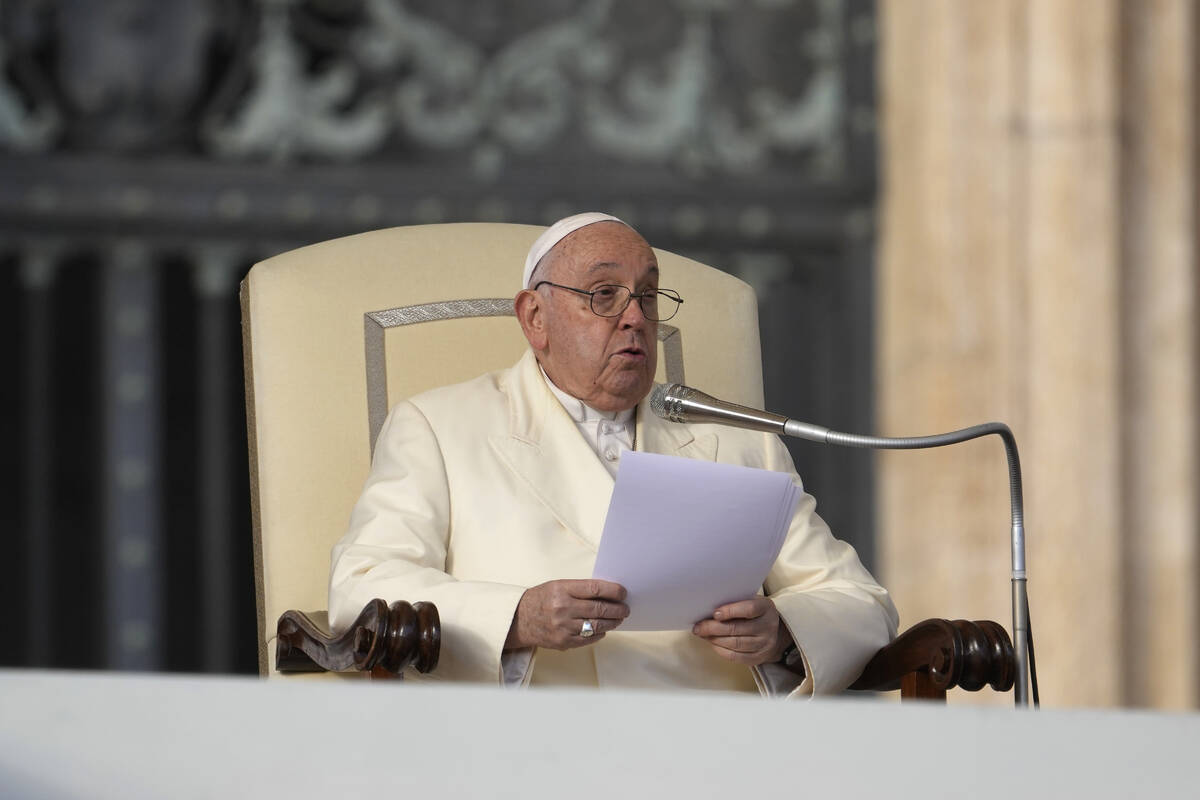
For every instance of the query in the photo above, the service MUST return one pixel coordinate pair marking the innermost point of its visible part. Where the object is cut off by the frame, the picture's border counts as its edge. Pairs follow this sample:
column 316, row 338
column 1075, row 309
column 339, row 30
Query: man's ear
column 532, row 316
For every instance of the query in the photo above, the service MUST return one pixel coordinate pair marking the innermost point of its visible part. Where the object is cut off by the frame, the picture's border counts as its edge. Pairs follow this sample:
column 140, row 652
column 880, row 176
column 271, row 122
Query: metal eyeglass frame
column 670, row 294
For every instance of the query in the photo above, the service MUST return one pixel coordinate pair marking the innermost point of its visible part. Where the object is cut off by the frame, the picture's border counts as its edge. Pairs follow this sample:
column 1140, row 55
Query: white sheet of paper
column 685, row 536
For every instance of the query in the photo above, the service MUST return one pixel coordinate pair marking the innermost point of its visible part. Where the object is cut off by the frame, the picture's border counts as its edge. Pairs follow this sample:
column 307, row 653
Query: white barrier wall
column 101, row 736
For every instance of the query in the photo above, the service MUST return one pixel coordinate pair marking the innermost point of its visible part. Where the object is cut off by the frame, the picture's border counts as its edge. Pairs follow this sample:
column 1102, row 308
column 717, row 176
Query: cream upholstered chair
column 336, row 333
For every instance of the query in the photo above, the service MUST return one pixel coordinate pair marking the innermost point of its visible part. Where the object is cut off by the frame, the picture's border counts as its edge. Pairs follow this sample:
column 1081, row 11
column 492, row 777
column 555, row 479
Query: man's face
column 607, row 362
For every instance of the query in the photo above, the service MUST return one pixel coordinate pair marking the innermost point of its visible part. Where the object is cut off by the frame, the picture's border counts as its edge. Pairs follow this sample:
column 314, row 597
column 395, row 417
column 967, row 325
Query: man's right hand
column 552, row 614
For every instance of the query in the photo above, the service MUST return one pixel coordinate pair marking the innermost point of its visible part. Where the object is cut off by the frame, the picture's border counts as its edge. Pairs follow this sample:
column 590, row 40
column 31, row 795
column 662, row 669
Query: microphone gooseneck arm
column 679, row 403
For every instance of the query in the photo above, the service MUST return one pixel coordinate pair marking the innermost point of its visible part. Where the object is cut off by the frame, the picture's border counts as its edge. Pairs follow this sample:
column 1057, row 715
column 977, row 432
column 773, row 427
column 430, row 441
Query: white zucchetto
column 556, row 233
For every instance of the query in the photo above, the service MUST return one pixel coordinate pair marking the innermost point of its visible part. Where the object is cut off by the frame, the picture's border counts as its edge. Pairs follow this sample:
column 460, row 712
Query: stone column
column 951, row 304
column 134, row 544
column 1161, row 615
column 38, row 275
column 1069, row 235
column 1036, row 267
column 214, row 280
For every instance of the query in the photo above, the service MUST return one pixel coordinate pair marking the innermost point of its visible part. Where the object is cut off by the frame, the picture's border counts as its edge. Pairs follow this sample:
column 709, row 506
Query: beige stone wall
column 1037, row 266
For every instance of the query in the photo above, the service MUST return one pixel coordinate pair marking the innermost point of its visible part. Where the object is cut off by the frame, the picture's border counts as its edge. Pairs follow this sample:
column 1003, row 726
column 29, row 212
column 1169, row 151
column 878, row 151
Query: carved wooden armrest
column 382, row 638
column 937, row 654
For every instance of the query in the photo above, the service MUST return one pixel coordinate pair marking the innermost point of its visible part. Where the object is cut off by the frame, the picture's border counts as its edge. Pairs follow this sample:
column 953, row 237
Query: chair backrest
column 336, row 332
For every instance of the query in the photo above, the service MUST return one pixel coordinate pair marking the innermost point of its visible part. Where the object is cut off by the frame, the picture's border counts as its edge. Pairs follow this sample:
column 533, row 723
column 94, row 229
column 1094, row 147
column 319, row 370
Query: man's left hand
column 748, row 632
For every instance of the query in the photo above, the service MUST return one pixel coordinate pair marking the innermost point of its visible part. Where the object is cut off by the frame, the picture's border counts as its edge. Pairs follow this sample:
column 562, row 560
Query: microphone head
column 666, row 401
column 675, row 402
column 658, row 398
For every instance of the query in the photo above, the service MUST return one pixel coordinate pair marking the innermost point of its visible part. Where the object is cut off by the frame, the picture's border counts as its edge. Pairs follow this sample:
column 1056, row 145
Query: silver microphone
column 678, row 403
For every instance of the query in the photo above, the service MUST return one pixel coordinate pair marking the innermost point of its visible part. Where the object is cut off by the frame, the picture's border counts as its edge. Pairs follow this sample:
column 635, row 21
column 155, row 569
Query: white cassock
column 483, row 489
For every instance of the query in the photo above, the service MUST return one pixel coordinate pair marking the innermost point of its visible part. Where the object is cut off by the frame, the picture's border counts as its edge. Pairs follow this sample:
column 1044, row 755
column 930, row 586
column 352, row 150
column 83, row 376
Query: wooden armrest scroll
column 382, row 638
column 937, row 654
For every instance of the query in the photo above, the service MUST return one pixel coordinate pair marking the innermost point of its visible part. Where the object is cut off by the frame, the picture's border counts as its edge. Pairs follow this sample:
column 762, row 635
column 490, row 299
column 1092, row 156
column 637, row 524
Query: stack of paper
column 685, row 536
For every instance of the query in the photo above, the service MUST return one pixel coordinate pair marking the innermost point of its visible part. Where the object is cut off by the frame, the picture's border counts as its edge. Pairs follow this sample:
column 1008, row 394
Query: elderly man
column 488, row 498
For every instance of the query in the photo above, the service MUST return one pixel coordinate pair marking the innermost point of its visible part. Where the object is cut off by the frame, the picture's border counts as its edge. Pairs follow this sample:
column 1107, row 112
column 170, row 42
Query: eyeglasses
column 611, row 300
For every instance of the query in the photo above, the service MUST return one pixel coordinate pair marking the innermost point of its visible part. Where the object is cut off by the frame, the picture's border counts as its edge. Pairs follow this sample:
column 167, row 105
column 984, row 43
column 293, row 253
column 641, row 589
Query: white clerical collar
column 581, row 412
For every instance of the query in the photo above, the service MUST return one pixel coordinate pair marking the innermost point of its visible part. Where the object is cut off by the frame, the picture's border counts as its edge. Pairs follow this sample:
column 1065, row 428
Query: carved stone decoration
column 699, row 86
column 455, row 94
column 383, row 637
column 25, row 127
column 289, row 112
column 126, row 74
column 680, row 84
column 702, row 109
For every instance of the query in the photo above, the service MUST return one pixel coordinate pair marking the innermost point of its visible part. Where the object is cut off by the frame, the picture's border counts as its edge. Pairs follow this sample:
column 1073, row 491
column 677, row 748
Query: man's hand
column 748, row 632
column 552, row 614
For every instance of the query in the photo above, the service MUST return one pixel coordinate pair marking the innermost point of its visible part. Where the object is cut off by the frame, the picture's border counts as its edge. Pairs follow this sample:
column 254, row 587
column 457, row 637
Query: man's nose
column 633, row 316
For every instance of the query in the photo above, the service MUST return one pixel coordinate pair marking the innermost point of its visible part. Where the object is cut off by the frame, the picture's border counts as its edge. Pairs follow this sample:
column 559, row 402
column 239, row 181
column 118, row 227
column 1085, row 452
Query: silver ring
column 587, row 630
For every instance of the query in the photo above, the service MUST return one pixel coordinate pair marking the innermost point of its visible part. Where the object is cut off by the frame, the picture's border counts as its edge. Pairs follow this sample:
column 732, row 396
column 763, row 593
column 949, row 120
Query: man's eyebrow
column 599, row 265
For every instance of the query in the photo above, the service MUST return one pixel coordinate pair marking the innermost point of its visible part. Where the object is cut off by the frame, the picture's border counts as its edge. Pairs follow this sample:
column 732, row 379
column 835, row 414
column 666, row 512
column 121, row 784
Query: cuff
column 837, row 635
column 776, row 680
column 516, row 666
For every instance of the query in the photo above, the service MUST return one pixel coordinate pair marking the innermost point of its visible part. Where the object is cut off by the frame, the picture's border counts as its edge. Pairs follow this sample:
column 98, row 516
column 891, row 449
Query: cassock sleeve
column 838, row 615
column 395, row 549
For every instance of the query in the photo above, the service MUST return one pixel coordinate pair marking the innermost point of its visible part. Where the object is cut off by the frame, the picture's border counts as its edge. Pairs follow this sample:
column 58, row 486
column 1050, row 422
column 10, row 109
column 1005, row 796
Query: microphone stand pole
column 1020, row 598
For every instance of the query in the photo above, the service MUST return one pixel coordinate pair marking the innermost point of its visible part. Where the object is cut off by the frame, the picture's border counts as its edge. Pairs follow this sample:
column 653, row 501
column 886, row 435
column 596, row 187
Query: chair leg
column 381, row 673
column 919, row 686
